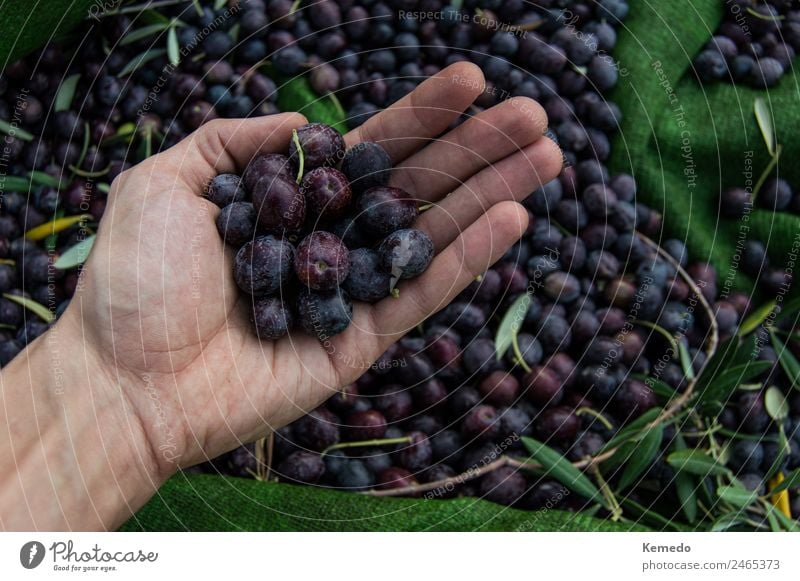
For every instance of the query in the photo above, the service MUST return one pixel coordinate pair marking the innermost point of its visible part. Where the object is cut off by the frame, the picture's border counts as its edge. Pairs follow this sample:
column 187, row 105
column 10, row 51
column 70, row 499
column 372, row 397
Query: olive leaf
column 659, row 387
column 756, row 318
column 788, row 308
column 648, row 516
column 151, row 16
column 686, row 360
column 792, row 480
column 719, row 362
column 696, row 462
column 784, row 449
column 85, row 146
column 561, row 469
column 66, row 92
column 764, row 120
column 75, row 255
column 778, row 521
column 776, row 404
column 728, row 521
column 737, row 495
column 633, row 429
column 173, row 48
column 790, row 365
column 644, row 452
column 36, row 308
column 660, row 330
column 297, row 95
column 714, row 396
column 511, row 324
column 685, row 485
column 14, row 131
column 141, row 59
column 55, row 226
column 42, row 179
column 144, row 32
column 15, row 184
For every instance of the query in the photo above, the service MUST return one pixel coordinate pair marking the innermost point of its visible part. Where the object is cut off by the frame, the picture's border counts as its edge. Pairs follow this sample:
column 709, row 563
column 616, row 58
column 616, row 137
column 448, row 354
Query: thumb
column 228, row 145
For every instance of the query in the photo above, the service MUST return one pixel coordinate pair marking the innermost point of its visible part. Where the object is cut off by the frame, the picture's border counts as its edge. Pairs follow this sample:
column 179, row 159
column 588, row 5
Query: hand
column 167, row 333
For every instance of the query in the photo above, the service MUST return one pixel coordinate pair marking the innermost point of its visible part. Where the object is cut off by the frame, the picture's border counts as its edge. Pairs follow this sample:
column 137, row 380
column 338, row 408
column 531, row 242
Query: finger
column 424, row 113
column 488, row 137
column 375, row 327
column 227, row 145
column 512, row 179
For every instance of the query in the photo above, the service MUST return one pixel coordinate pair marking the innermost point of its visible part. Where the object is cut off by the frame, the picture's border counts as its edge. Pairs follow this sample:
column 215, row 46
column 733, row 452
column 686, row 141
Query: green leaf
column 774, row 523
column 15, row 184
column 144, row 32
column 660, row 330
column 37, row 309
column 297, row 95
column 788, row 361
column 511, row 324
column 756, row 318
column 75, row 255
column 633, row 428
column 784, row 449
column 788, row 308
column 85, row 147
column 43, row 179
column 764, row 120
column 659, row 387
column 727, row 521
column 685, row 486
column 560, row 469
column 151, row 16
column 141, row 59
column 14, row 131
column 719, row 362
column 644, row 453
column 714, row 396
column 737, row 495
column 686, row 360
column 173, row 48
column 776, row 404
column 651, row 517
column 778, row 521
column 66, row 92
column 792, row 480
column 696, row 462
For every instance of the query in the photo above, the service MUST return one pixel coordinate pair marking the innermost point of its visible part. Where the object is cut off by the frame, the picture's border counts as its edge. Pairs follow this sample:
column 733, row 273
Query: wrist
column 79, row 457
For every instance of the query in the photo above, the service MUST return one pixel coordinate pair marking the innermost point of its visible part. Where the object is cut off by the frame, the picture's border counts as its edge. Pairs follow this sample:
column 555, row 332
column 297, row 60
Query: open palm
column 158, row 302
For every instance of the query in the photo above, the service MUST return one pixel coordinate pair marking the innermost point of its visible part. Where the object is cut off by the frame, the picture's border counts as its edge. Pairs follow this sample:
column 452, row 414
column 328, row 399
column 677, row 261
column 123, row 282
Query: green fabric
column 25, row 26
column 721, row 127
column 215, row 503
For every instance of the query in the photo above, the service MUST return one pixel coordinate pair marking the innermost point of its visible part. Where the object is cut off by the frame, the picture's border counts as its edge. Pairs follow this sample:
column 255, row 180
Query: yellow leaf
column 781, row 499
column 55, row 226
